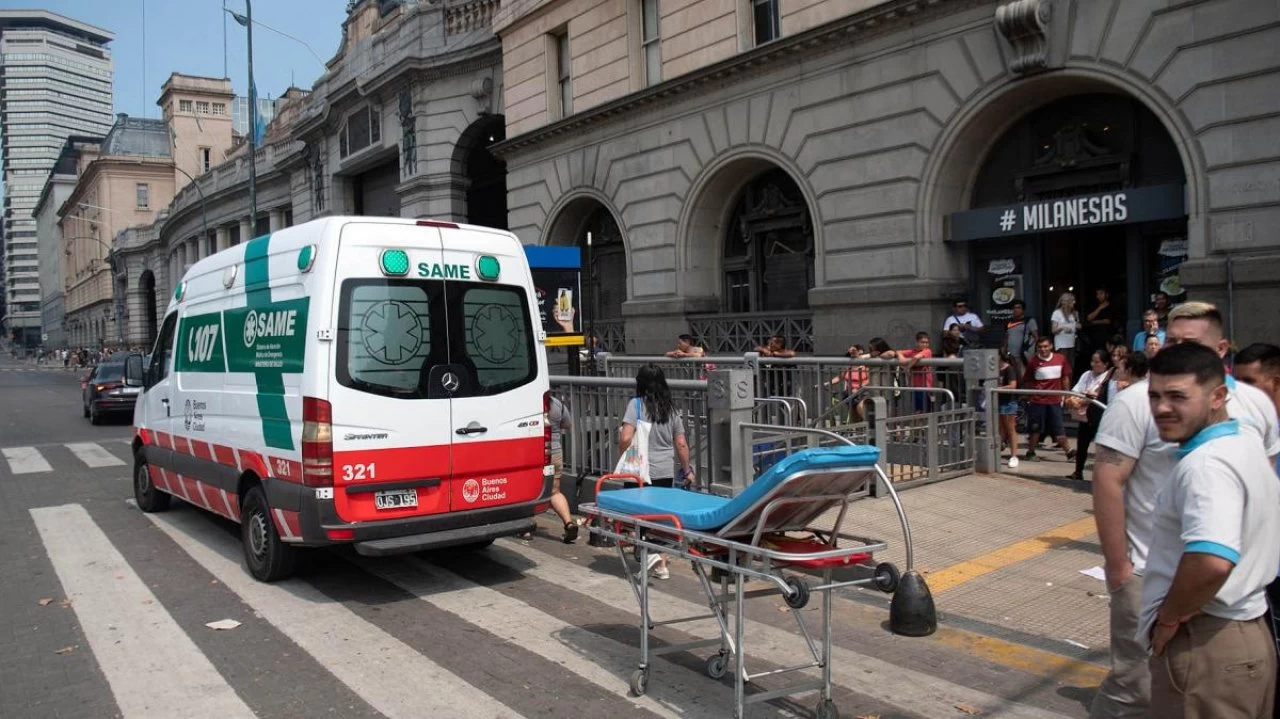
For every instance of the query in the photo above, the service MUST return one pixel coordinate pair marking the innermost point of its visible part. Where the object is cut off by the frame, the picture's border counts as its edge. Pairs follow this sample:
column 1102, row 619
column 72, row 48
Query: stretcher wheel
column 716, row 666
column 826, row 710
column 800, row 594
column 887, row 577
column 639, row 682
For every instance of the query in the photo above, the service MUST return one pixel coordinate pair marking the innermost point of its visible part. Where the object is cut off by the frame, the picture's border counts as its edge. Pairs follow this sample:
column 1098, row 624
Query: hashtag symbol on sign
column 1007, row 219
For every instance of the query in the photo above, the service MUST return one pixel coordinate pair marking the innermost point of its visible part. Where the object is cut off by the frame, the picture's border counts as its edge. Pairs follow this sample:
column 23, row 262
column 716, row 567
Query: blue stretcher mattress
column 706, row 512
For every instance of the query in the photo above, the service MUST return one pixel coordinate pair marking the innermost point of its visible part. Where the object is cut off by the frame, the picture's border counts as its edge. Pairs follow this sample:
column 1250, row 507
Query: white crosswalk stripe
column 134, row 639
column 601, row 661
column 25, row 460
column 330, row 632
column 128, row 629
column 82, row 455
column 94, row 455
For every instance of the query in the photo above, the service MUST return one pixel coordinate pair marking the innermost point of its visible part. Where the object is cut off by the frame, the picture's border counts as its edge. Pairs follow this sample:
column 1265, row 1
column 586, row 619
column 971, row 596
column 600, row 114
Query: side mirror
column 133, row 371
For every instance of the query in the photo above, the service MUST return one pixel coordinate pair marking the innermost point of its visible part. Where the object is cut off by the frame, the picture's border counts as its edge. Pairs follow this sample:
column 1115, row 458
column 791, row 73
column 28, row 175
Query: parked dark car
column 105, row 392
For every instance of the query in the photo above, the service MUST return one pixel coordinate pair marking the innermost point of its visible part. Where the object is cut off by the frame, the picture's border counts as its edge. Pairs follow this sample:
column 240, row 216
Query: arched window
column 768, row 250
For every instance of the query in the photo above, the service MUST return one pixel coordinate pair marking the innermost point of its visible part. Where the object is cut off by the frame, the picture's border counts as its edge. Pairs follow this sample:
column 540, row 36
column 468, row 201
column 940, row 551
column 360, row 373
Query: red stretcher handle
column 606, row 477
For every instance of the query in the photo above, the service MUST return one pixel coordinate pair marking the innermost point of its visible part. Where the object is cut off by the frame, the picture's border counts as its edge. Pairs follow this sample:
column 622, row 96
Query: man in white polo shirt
column 1215, row 545
column 1132, row 463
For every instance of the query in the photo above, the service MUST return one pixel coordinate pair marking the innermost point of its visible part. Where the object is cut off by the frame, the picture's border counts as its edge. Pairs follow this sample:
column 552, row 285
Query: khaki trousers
column 1215, row 669
column 1126, row 692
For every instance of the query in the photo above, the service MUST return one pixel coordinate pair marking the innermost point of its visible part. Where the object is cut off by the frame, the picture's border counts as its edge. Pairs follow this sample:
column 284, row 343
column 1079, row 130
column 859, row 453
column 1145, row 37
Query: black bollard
column 911, row 613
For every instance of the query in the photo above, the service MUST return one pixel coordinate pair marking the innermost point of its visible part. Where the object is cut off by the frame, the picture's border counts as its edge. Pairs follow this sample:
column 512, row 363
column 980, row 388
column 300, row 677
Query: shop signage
column 1122, row 207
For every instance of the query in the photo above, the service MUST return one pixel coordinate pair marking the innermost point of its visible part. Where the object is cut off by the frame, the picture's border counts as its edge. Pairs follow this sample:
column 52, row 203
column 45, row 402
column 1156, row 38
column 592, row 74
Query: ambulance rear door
column 498, row 443
column 391, row 410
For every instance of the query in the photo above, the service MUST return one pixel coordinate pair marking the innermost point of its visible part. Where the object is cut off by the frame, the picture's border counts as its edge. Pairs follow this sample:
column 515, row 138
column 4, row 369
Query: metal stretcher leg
column 739, row 653
column 640, row 677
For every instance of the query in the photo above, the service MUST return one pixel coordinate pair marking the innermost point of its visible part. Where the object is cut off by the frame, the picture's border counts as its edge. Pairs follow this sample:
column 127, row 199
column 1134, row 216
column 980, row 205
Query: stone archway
column 952, row 168
column 605, row 285
column 147, row 287
column 486, row 174
column 762, row 189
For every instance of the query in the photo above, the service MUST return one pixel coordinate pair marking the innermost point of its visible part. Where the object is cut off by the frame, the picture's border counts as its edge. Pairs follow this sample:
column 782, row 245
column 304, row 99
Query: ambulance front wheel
column 268, row 558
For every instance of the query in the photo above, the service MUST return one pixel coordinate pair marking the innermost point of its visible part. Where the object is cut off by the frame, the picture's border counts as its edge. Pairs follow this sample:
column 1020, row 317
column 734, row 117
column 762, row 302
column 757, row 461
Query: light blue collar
column 1214, row 431
column 1231, row 383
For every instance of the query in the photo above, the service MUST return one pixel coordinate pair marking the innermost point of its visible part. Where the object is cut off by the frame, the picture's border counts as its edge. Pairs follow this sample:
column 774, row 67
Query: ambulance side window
column 162, row 355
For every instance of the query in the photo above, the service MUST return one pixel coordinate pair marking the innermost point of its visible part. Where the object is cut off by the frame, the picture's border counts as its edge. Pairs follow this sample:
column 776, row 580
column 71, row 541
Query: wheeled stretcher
column 772, row 532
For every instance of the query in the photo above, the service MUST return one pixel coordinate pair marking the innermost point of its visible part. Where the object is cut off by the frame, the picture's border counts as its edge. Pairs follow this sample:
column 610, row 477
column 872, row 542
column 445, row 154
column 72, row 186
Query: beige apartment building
column 124, row 182
column 833, row 170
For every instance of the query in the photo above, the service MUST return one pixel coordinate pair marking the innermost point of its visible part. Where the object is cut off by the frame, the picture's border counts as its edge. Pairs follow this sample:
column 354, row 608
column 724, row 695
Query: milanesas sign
column 1121, row 207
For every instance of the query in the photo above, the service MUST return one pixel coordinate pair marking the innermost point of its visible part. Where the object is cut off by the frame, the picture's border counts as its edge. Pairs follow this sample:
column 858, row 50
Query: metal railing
column 819, row 382
column 597, row 406
column 992, row 409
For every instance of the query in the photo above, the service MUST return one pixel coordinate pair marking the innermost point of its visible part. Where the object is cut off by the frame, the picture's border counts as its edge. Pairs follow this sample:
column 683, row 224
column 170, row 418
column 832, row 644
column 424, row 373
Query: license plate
column 129, row 390
column 396, row 499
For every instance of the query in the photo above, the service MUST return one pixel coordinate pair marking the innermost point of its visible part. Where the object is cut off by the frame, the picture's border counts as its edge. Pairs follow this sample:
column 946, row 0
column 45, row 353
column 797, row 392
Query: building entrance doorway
column 1081, row 194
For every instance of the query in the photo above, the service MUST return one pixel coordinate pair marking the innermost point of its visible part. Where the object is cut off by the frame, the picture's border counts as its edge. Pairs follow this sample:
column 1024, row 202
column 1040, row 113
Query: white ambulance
column 373, row 381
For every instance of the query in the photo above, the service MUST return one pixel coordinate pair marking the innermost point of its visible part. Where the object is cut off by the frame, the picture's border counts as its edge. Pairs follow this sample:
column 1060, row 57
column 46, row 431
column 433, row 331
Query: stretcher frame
column 734, row 556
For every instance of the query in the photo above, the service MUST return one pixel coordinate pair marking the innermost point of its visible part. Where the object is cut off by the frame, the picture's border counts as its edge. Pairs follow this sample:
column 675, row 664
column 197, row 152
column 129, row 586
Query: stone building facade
column 399, row 124
column 839, row 169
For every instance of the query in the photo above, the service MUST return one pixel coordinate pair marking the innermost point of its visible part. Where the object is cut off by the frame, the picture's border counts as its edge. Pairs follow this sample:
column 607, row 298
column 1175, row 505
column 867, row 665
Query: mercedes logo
column 450, row 382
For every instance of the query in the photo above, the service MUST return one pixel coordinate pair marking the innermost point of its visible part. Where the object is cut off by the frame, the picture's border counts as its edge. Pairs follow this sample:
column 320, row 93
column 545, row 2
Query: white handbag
column 636, row 459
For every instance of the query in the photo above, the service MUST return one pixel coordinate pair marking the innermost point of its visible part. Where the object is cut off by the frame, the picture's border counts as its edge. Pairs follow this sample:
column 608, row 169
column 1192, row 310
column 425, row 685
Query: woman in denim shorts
column 1009, row 406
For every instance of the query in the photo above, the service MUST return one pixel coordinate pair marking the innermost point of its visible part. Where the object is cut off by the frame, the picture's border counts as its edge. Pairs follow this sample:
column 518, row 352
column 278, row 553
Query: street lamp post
column 246, row 21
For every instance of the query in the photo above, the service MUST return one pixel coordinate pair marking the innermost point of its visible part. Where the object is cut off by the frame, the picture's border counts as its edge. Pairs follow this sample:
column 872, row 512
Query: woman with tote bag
column 650, row 442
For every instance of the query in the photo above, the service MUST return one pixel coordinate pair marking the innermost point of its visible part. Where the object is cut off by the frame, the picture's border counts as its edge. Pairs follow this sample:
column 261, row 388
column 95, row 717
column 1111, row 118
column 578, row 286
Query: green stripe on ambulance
column 246, row 339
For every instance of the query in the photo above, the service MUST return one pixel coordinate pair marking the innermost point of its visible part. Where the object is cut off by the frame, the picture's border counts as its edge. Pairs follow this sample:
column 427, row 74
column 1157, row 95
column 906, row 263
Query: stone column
column 246, row 230
column 223, row 236
column 195, row 252
column 276, row 220
column 182, row 259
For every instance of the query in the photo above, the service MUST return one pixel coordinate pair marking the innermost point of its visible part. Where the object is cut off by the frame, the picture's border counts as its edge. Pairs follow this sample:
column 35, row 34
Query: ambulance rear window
column 392, row 334
column 385, row 334
column 499, row 341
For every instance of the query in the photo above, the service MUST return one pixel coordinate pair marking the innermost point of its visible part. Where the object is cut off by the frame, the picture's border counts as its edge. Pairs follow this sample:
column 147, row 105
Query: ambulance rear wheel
column 149, row 498
column 269, row 559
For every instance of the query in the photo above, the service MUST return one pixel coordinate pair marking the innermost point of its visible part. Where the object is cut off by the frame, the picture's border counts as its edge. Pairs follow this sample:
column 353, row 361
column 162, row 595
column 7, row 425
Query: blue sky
column 186, row 36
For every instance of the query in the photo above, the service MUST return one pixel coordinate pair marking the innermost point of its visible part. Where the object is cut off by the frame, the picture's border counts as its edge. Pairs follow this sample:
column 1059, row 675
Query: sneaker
column 570, row 532
column 1013, row 463
column 661, row 573
column 1071, row 455
column 1030, row 456
column 653, row 561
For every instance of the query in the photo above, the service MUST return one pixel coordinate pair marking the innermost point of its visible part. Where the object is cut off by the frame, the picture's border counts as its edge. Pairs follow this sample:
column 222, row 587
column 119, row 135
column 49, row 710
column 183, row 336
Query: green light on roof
column 177, row 291
column 395, row 263
column 487, row 268
column 306, row 257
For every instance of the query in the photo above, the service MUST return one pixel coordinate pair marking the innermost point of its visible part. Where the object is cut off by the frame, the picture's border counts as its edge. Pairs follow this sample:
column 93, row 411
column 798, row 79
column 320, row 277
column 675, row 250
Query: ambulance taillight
column 546, row 429
column 317, row 442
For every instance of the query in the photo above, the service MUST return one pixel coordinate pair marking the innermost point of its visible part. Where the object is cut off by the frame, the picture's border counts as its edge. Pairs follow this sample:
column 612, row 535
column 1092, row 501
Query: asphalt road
column 107, row 613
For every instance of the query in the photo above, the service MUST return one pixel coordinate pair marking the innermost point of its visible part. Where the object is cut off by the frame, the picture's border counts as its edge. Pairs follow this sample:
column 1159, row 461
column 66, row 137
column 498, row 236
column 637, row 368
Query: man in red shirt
column 1047, row 370
column 920, row 376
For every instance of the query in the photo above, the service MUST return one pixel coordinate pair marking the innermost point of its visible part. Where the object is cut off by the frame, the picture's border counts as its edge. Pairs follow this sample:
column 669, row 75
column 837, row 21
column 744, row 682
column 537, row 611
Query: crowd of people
column 74, row 358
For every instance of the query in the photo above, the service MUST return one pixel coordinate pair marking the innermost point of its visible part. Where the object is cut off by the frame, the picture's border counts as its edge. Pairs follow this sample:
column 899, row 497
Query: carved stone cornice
column 1025, row 24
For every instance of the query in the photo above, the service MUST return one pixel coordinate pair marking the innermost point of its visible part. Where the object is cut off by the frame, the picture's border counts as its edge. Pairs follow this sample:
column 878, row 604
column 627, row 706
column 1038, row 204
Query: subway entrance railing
column 926, row 434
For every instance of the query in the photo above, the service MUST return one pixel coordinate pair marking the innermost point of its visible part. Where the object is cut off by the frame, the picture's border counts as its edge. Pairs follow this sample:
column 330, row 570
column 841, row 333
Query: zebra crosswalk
column 519, row 630
column 66, row 456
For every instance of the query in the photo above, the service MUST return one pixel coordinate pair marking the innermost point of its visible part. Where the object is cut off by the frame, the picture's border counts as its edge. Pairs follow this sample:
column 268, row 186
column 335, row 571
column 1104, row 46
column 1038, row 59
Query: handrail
column 1051, row 392
column 594, row 381
column 951, row 397
column 893, row 494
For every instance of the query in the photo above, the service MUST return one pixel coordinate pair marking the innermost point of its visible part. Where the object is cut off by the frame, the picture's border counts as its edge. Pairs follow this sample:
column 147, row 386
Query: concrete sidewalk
column 1003, row 553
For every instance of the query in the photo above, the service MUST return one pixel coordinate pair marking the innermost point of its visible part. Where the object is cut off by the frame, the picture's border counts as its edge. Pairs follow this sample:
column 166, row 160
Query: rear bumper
column 446, row 538
column 317, row 517
column 114, row 404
